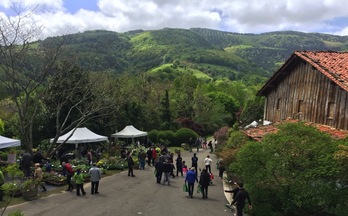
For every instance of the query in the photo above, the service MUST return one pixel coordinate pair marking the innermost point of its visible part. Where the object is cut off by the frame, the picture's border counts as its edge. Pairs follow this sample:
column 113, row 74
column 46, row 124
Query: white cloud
column 251, row 16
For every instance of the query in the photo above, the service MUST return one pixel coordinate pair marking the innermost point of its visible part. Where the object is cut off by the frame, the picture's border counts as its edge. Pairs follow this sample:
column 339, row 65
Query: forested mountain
column 160, row 79
column 215, row 53
column 269, row 50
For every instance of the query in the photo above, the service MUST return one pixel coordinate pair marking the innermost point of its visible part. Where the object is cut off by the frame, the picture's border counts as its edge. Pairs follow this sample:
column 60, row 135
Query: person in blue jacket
column 191, row 178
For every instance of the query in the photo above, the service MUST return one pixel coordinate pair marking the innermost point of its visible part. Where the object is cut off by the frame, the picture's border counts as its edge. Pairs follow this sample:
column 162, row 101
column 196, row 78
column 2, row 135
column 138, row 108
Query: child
column 78, row 177
column 48, row 166
column 38, row 175
column 184, row 167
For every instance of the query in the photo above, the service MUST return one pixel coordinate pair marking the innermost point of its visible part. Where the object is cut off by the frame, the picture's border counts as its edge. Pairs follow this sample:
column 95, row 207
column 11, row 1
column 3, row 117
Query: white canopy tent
column 80, row 135
column 129, row 132
column 8, row 142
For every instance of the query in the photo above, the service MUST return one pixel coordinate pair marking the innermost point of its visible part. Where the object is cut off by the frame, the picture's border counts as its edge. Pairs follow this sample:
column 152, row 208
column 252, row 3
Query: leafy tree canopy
column 293, row 172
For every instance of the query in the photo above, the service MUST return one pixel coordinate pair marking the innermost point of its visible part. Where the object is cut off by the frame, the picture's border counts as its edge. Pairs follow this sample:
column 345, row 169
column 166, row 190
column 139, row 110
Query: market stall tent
column 80, row 135
column 129, row 132
column 8, row 142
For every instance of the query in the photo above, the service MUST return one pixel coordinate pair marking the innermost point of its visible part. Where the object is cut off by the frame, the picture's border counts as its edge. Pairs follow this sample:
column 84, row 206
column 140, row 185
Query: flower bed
column 54, row 179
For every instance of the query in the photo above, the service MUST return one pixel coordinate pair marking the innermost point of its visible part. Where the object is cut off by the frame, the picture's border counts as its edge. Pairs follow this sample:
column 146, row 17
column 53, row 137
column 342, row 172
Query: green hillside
column 211, row 52
column 267, row 50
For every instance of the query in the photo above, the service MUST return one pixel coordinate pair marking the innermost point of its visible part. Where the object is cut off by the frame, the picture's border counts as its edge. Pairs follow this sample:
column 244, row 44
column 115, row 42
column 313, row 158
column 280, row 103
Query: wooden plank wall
column 304, row 93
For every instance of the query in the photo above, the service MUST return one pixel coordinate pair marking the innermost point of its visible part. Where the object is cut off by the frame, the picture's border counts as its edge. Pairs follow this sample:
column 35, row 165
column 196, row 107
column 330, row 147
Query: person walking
column 89, row 156
column 210, row 145
column 179, row 165
column 198, row 143
column 207, row 162
column 194, row 160
column 167, row 167
column 142, row 159
column 159, row 170
column 95, row 174
column 78, row 177
column 170, row 157
column 190, row 179
column 130, row 163
column 221, row 168
column 240, row 199
column 149, row 156
column 184, row 168
column 26, row 163
column 38, row 157
column 204, row 181
column 38, row 175
column 69, row 174
column 153, row 156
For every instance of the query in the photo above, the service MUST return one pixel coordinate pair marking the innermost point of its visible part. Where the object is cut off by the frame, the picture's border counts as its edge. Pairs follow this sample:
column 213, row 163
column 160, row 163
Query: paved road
column 141, row 195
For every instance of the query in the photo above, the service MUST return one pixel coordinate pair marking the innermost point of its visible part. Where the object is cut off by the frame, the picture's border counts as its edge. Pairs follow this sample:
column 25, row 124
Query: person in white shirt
column 96, row 175
column 208, row 161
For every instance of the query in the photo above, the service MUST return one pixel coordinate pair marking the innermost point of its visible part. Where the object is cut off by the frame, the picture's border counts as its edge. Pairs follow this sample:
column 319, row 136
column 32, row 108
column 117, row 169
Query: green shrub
column 152, row 135
column 12, row 189
column 167, row 135
column 3, row 156
column 293, row 172
column 183, row 135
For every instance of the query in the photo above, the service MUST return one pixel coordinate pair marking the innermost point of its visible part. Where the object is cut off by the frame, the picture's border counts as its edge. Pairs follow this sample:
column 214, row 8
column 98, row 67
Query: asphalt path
column 139, row 195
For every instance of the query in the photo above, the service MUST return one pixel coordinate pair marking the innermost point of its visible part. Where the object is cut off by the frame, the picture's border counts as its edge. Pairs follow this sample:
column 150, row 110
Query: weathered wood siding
column 306, row 94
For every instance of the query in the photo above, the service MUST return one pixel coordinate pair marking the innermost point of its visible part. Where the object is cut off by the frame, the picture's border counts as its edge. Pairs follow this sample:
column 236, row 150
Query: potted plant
column 12, row 189
column 30, row 189
column 12, row 156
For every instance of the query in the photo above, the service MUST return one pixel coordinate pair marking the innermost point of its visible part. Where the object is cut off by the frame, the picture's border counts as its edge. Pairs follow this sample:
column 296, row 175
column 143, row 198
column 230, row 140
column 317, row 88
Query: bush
column 183, row 135
column 3, row 156
column 12, row 189
column 167, row 135
column 152, row 135
column 292, row 172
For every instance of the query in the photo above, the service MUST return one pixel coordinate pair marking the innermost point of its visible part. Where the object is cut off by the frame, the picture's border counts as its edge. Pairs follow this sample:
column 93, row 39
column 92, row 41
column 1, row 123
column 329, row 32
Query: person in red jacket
column 69, row 175
column 154, row 156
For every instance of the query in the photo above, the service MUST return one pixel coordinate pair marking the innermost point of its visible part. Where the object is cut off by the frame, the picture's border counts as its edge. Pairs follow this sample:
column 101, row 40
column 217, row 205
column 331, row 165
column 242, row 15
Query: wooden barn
column 311, row 86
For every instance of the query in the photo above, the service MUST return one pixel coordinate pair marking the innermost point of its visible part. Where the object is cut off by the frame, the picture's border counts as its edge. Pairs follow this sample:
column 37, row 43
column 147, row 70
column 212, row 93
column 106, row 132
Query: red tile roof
column 332, row 64
column 258, row 133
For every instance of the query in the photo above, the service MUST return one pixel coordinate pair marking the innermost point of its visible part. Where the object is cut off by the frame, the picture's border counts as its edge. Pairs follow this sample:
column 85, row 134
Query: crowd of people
column 42, row 164
column 166, row 165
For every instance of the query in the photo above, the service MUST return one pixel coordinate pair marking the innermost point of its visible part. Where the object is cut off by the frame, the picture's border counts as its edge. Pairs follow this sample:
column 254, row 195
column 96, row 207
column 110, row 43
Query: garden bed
column 55, row 183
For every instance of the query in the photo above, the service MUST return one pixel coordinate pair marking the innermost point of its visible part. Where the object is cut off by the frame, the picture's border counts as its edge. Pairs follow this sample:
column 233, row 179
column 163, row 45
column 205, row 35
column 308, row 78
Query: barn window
column 330, row 110
column 278, row 103
column 300, row 106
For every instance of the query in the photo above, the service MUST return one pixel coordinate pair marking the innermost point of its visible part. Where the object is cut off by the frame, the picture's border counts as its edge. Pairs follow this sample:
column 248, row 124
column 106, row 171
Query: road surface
column 129, row 196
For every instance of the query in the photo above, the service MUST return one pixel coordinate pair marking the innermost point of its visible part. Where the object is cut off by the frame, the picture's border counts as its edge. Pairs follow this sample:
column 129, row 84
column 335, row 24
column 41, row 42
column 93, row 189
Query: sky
column 60, row 17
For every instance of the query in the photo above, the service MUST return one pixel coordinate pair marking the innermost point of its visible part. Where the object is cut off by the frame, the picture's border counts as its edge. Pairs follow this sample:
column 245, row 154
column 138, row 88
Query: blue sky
column 74, row 5
column 244, row 16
